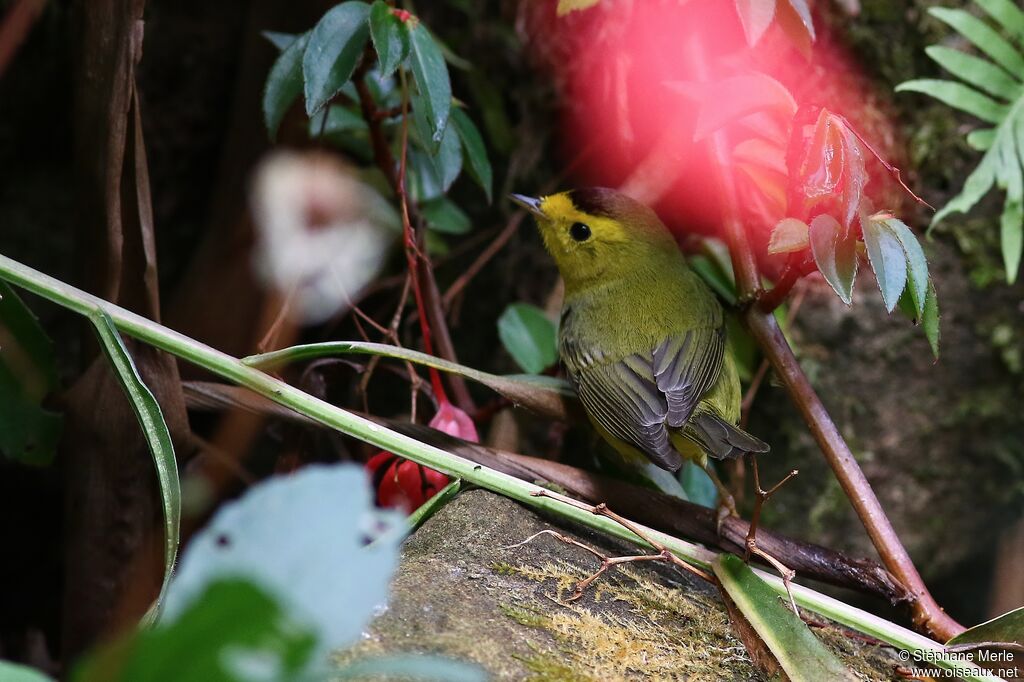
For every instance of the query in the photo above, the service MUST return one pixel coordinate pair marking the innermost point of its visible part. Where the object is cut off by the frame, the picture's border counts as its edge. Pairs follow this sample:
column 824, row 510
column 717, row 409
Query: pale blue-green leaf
column 280, row 40
column 836, row 258
column 981, row 140
column 789, row 235
column 12, row 672
column 336, row 120
column 917, row 264
column 284, row 83
column 233, row 631
column 335, row 46
column 980, row 73
column 699, row 487
column 800, row 654
column 983, row 36
column 930, row 319
column 958, row 96
column 888, row 260
column 154, row 428
column 421, row 171
column 302, row 538
column 475, row 152
column 529, row 337
column 444, row 215
column 1007, row 14
column 390, row 37
column 425, row 667
column 431, row 75
column 755, row 16
column 978, row 183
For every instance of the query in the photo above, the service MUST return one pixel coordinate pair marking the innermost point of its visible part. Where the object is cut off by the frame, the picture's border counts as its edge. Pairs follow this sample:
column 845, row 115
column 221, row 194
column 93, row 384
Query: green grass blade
column 154, row 428
column 542, row 394
column 802, row 656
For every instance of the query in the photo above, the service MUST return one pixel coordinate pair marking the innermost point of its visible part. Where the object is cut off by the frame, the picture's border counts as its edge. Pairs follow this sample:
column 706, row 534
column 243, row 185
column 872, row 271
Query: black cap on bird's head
column 596, row 231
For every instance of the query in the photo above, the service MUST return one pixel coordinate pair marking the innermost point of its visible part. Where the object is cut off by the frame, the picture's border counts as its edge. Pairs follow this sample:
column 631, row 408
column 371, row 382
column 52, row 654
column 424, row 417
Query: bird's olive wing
column 639, row 398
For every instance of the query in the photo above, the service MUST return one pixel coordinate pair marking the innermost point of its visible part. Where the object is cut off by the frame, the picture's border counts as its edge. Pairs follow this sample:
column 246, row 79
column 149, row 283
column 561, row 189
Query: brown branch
column 425, row 286
column 16, row 25
column 927, row 614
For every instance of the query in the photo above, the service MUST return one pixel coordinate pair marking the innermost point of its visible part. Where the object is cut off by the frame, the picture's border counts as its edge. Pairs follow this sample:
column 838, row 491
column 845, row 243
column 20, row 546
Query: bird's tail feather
column 720, row 439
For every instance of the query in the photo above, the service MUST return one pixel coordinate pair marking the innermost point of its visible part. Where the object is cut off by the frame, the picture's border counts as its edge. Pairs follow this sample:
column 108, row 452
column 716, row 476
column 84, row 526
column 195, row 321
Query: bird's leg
column 726, row 503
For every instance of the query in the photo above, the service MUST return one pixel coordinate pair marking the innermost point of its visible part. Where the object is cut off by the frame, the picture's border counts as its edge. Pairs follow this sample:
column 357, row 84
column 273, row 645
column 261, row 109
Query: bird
column 641, row 336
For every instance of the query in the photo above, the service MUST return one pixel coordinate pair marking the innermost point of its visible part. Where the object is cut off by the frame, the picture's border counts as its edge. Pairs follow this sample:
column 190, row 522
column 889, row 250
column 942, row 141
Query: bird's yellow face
column 596, row 235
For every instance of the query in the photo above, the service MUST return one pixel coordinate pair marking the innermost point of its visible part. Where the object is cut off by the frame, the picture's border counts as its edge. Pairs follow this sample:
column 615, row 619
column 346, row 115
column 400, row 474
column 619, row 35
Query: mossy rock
column 467, row 588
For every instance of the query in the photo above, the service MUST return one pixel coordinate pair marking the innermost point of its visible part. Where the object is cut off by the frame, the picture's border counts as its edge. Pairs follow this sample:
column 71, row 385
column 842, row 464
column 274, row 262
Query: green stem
column 235, row 370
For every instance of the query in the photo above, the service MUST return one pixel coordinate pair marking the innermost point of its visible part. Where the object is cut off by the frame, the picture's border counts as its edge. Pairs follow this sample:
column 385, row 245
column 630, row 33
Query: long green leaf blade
column 976, row 71
column 335, row 45
column 475, row 152
column 984, row 37
column 154, row 428
column 802, row 655
column 1007, row 14
column 958, row 96
column 542, row 394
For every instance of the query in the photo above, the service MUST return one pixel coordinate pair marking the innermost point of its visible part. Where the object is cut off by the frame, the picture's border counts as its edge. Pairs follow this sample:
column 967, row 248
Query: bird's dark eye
column 579, row 232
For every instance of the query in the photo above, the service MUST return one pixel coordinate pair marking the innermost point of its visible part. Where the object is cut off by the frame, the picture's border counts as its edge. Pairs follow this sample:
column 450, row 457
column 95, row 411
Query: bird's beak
column 529, row 203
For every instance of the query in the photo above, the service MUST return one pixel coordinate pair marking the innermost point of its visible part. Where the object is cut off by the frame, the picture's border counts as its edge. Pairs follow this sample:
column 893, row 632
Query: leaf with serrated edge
column 335, row 46
column 888, row 260
column 789, row 235
column 836, row 258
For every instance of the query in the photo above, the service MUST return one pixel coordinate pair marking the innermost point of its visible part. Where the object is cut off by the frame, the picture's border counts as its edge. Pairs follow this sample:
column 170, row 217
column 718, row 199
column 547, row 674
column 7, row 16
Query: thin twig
column 17, row 24
column 761, row 496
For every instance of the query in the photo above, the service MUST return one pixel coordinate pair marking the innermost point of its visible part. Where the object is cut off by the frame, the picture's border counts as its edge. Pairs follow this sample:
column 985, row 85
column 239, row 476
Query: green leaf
column 930, row 319
column 529, row 337
column 788, row 236
column 714, row 277
column 431, row 75
column 433, row 505
column 958, row 96
column 229, row 630
column 448, row 160
column 335, row 46
column 699, row 487
column 1008, row 627
column 475, row 153
column 339, row 121
column 980, row 72
column 917, row 264
column 284, row 83
column 28, row 432
column 984, row 37
column 443, row 215
column 12, row 672
column 835, row 256
column 424, row 183
column 981, row 139
column 280, row 40
column 887, row 259
column 545, row 395
column 390, row 37
column 411, row 667
column 977, row 185
column 1007, row 14
column 1011, row 225
column 302, row 538
column 154, row 428
column 800, row 654
column 756, row 16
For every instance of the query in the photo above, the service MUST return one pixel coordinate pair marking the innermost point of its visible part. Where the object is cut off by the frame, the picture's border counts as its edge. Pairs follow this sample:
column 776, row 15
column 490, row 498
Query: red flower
column 403, row 15
column 405, row 484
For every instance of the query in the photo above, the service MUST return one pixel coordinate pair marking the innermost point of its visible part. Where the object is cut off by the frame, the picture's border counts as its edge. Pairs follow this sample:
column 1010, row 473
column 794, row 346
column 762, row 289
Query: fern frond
column 992, row 90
